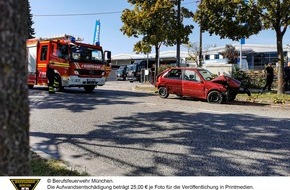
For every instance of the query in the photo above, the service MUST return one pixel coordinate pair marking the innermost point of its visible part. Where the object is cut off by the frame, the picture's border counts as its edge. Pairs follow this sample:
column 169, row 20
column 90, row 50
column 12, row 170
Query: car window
column 131, row 67
column 207, row 75
column 174, row 74
column 122, row 67
column 191, row 75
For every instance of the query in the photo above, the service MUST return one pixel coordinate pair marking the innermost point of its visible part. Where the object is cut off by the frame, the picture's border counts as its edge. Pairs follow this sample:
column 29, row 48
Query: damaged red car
column 198, row 83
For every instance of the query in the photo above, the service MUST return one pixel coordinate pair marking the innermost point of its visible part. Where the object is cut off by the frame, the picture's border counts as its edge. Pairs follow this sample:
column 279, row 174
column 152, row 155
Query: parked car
column 122, row 72
column 134, row 71
column 198, row 83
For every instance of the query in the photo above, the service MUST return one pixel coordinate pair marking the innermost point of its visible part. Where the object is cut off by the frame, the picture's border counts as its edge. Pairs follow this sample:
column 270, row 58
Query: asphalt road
column 121, row 131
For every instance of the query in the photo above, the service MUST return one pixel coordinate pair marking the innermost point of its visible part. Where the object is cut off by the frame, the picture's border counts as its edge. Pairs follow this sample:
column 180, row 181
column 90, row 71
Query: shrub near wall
column 253, row 79
column 258, row 79
column 163, row 67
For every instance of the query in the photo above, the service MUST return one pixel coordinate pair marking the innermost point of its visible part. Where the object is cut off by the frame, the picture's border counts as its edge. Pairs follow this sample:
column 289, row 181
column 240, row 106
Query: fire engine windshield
column 86, row 55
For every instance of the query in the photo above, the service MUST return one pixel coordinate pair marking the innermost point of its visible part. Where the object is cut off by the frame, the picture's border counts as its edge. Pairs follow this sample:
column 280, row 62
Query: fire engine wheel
column 89, row 88
column 163, row 92
column 215, row 97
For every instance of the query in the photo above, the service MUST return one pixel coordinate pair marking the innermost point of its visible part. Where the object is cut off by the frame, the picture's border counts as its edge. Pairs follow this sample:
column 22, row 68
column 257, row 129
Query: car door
column 192, row 84
column 174, row 82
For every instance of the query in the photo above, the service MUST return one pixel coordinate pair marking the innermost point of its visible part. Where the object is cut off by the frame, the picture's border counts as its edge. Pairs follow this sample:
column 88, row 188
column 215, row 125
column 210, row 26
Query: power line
column 74, row 14
column 87, row 14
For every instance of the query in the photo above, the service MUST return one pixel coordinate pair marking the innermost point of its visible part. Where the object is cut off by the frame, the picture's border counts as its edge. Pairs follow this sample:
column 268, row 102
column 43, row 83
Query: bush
column 278, row 99
column 163, row 67
column 242, row 76
column 251, row 79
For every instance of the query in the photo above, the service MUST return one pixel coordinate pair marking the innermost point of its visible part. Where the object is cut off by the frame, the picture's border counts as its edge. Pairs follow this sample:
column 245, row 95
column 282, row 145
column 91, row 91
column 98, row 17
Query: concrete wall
column 220, row 68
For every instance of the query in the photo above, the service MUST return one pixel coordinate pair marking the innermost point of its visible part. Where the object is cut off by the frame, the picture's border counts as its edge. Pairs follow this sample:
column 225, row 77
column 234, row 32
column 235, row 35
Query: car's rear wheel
column 163, row 92
column 215, row 97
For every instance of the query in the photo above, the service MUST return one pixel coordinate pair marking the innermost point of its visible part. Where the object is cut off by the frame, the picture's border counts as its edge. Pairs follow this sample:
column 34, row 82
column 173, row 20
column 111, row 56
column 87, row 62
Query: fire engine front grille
column 90, row 72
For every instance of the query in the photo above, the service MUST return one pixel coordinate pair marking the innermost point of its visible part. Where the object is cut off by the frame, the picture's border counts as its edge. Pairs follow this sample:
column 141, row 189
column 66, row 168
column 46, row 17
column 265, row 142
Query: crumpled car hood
column 233, row 83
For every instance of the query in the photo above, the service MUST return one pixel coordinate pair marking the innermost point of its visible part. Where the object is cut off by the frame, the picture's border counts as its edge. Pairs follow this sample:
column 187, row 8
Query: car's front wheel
column 163, row 92
column 215, row 97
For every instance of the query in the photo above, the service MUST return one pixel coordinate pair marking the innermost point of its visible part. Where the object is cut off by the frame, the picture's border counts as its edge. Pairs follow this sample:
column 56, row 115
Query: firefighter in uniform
column 50, row 76
column 287, row 77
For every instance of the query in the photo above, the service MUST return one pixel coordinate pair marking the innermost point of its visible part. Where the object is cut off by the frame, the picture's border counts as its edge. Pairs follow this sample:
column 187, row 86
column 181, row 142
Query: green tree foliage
column 31, row 31
column 235, row 19
column 228, row 18
column 155, row 22
column 14, row 107
column 230, row 53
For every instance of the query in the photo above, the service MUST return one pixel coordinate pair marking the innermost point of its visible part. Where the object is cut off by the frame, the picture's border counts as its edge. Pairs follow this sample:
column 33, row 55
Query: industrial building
column 257, row 55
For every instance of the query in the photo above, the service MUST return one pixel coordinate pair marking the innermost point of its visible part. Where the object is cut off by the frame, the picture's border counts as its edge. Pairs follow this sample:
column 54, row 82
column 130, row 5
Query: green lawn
column 256, row 97
column 266, row 97
column 51, row 167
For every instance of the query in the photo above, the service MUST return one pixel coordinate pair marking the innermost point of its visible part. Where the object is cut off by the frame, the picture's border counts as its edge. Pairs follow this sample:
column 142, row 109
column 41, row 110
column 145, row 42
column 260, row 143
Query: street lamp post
column 200, row 47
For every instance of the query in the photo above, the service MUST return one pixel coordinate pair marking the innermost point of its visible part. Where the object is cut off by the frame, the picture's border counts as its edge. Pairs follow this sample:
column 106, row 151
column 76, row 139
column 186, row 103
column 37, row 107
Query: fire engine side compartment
column 31, row 60
column 37, row 58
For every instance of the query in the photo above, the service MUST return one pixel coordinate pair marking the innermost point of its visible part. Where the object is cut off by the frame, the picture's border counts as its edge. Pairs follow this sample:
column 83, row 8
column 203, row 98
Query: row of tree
column 155, row 23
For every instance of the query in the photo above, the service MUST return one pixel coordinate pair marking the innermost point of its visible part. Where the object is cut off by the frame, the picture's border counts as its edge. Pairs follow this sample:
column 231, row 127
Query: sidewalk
column 149, row 85
column 258, row 96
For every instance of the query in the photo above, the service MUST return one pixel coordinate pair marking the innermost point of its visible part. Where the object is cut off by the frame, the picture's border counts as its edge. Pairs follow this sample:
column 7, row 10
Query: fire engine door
column 59, row 51
column 59, row 59
column 42, row 62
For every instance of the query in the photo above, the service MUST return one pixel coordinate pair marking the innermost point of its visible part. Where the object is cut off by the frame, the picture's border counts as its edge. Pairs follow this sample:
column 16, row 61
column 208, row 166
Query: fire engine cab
column 75, row 64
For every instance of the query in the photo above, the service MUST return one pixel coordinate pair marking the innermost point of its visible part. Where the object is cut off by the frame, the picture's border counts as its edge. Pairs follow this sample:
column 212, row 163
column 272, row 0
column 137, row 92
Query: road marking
column 149, row 104
column 213, row 111
column 36, row 96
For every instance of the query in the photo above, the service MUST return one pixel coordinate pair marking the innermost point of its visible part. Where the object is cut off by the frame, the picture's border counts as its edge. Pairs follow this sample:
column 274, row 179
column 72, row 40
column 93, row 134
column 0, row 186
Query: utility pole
column 200, row 42
column 178, row 27
column 178, row 37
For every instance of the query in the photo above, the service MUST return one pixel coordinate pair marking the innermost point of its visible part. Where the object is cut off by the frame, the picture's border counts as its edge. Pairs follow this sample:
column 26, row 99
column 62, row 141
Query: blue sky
column 111, row 36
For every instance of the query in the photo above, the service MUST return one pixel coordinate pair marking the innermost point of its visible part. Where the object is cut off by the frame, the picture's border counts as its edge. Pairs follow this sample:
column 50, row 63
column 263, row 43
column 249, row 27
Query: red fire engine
column 75, row 64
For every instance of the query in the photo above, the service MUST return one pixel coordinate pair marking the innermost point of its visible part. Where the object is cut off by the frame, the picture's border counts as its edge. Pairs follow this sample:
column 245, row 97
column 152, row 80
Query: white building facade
column 257, row 55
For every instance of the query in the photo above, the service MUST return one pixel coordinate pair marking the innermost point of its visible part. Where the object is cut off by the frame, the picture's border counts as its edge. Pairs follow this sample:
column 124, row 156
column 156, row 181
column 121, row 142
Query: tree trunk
column 14, row 105
column 280, row 88
column 156, row 62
